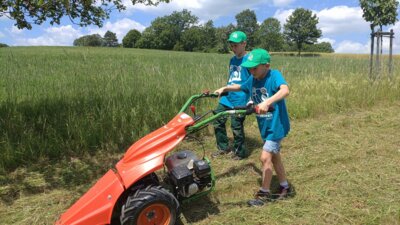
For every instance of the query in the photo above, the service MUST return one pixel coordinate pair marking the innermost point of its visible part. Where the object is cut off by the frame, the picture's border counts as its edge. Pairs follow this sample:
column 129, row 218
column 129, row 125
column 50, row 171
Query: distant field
column 67, row 114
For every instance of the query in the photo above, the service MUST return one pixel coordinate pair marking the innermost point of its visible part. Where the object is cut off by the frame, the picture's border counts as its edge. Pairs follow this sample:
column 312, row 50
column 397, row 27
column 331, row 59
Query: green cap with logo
column 256, row 57
column 237, row 37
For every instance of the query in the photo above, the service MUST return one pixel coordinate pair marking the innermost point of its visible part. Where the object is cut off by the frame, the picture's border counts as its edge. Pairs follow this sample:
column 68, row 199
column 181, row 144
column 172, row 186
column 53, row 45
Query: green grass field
column 67, row 115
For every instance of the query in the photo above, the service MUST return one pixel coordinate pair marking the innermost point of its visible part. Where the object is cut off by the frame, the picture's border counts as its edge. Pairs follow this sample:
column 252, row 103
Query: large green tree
column 94, row 40
column 210, row 37
column 192, row 40
column 130, row 39
column 269, row 35
column 222, row 35
column 380, row 12
column 319, row 47
column 165, row 32
column 198, row 38
column 301, row 28
column 85, row 12
column 247, row 22
column 110, row 39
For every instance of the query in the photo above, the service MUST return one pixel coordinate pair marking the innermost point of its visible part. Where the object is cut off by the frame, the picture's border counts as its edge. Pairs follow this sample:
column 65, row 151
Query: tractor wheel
column 152, row 205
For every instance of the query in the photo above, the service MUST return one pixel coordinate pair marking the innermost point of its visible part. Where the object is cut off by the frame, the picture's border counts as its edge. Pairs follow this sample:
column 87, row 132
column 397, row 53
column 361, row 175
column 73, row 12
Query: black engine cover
column 181, row 176
column 180, row 158
column 201, row 168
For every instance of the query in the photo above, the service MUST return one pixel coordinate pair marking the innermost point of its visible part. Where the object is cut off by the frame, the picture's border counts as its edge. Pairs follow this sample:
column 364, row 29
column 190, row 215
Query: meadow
column 67, row 114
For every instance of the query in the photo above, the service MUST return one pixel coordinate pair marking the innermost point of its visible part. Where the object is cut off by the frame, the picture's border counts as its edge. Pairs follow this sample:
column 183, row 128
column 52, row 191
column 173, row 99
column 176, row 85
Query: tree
column 192, row 39
column 301, row 28
column 110, row 39
column 222, row 34
column 88, row 12
column 269, row 35
column 319, row 47
column 379, row 12
column 247, row 22
column 165, row 32
column 131, row 38
column 210, row 38
column 3, row 45
column 94, row 40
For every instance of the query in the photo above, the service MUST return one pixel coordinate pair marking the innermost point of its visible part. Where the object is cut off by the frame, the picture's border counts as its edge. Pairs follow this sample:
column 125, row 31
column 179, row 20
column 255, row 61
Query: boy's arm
column 281, row 94
column 233, row 87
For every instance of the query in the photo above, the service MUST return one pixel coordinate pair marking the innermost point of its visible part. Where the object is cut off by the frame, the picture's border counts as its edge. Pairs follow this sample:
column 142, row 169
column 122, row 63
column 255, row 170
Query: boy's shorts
column 272, row 146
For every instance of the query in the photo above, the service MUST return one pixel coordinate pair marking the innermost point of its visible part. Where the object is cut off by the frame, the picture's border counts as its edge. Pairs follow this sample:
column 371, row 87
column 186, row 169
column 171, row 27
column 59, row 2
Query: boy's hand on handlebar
column 263, row 107
column 220, row 91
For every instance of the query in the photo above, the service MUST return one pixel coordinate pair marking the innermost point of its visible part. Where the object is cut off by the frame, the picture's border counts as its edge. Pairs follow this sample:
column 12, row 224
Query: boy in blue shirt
column 237, row 75
column 267, row 89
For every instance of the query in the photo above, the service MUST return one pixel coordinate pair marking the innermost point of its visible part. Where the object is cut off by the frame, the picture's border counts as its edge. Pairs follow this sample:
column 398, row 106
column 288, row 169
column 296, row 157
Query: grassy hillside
column 67, row 115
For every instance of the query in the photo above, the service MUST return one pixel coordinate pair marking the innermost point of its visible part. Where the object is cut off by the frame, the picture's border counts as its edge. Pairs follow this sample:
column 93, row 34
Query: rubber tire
column 143, row 198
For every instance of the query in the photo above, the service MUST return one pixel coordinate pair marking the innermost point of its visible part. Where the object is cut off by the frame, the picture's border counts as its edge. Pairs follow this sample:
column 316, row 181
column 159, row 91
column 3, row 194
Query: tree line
column 180, row 31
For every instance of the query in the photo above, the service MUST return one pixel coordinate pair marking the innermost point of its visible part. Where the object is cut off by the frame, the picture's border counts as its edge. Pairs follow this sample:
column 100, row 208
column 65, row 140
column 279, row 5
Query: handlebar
column 244, row 110
column 194, row 98
column 250, row 109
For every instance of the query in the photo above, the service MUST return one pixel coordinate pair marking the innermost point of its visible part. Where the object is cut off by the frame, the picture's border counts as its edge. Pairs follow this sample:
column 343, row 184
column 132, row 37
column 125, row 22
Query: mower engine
column 188, row 174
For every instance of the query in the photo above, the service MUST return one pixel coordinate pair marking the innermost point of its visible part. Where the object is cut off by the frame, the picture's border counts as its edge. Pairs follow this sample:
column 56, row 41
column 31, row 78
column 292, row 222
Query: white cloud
column 120, row 28
column 356, row 47
column 282, row 3
column 65, row 35
column 15, row 30
column 53, row 36
column 204, row 9
column 332, row 41
column 4, row 17
column 335, row 20
column 352, row 47
column 2, row 35
column 396, row 41
column 341, row 20
column 282, row 15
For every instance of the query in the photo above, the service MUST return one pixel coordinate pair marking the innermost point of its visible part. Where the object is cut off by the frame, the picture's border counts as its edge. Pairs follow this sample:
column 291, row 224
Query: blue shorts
column 272, row 146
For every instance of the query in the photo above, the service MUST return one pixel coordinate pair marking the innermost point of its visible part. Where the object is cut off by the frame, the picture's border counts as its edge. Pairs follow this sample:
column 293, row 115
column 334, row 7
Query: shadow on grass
column 253, row 145
column 237, row 169
column 198, row 210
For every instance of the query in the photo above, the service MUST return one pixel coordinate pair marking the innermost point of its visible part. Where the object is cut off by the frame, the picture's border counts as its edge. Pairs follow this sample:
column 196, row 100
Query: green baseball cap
column 237, row 37
column 256, row 57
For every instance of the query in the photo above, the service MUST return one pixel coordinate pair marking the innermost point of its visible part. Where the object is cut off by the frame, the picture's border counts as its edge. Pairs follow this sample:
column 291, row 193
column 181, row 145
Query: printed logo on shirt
column 235, row 74
column 258, row 96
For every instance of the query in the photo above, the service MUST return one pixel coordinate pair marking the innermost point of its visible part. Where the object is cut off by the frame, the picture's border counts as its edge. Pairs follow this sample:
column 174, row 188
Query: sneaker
column 219, row 153
column 284, row 192
column 260, row 198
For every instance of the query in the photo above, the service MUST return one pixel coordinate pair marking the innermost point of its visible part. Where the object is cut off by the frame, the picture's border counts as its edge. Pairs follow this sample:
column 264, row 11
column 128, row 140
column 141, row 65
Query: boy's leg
column 238, row 135
column 263, row 195
column 279, row 168
column 270, row 148
column 284, row 188
column 266, row 160
column 220, row 132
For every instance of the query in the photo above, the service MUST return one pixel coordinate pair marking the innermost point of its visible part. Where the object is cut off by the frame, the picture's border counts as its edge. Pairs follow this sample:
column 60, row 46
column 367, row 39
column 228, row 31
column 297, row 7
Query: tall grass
column 58, row 102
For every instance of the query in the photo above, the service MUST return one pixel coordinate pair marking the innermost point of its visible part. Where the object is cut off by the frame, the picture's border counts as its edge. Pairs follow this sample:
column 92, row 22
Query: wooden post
column 372, row 51
column 390, row 53
column 377, row 65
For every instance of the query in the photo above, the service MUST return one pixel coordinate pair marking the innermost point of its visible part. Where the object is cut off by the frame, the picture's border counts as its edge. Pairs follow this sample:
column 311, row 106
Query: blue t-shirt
column 237, row 75
column 273, row 125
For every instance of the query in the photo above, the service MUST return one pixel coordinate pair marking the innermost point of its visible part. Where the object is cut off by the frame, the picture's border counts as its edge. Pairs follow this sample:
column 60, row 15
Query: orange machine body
column 144, row 157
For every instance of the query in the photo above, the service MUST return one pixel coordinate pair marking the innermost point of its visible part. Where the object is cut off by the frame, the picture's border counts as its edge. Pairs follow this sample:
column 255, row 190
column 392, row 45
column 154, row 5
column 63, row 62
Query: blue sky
column 341, row 21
